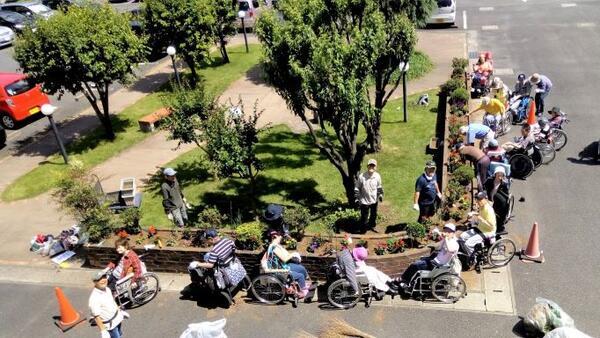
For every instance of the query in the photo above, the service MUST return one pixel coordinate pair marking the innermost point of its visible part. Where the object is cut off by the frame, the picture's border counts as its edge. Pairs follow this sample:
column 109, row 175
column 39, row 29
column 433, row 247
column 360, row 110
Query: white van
column 252, row 9
column 445, row 13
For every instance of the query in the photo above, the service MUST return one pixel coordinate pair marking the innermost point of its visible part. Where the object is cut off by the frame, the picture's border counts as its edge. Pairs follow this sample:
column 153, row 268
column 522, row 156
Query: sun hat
column 273, row 212
column 555, row 110
column 372, row 161
column 210, row 233
column 481, row 195
column 500, row 169
column 96, row 276
column 464, row 129
column 485, row 100
column 535, row 78
column 360, row 254
column 450, row 226
column 169, row 172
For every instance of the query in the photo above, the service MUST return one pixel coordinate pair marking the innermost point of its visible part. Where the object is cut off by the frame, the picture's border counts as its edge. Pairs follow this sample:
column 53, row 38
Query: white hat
column 497, row 83
column 485, row 100
column 450, row 226
column 500, row 169
column 535, row 78
column 464, row 129
column 372, row 161
column 169, row 172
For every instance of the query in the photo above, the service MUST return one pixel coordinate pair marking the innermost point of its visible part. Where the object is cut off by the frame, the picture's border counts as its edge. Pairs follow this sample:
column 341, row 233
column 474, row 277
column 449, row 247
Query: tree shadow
column 203, row 297
column 273, row 155
column 256, row 74
column 589, row 155
column 395, row 228
column 150, row 83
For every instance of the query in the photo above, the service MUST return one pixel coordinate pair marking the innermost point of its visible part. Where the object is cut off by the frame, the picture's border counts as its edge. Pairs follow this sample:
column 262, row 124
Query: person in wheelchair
column 129, row 265
column 378, row 279
column 485, row 224
column 497, row 189
column 521, row 143
column 448, row 250
column 495, row 152
column 277, row 257
column 222, row 255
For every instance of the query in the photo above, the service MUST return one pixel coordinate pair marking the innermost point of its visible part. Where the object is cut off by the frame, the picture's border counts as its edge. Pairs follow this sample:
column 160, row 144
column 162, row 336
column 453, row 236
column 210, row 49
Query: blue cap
column 169, row 172
column 211, row 233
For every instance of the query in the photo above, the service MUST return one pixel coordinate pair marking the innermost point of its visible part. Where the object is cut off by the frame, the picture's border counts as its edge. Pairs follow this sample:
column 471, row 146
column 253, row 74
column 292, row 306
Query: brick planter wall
column 173, row 259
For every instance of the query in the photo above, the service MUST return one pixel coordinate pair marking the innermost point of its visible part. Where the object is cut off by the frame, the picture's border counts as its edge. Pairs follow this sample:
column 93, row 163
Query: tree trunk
column 103, row 115
column 224, row 50
column 190, row 62
column 106, row 122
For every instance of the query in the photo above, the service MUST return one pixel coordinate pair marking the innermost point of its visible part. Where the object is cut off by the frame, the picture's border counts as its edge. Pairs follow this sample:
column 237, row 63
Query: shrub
column 455, row 214
column 460, row 63
column 463, row 174
column 248, row 235
column 341, row 217
column 459, row 97
column 290, row 243
column 451, row 85
column 363, row 243
column 98, row 223
column 454, row 191
column 395, row 245
column 297, row 219
column 211, row 217
column 380, row 248
column 416, row 230
column 130, row 220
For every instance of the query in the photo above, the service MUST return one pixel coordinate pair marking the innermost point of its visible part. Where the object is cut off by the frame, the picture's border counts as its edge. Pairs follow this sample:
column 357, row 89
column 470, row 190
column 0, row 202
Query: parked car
column 445, row 13
column 57, row 4
column 252, row 10
column 31, row 9
column 15, row 21
column 7, row 36
column 19, row 99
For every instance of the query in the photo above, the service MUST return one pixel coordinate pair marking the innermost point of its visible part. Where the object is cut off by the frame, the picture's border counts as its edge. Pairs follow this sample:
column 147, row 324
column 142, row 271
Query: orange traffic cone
column 531, row 115
column 533, row 253
column 68, row 316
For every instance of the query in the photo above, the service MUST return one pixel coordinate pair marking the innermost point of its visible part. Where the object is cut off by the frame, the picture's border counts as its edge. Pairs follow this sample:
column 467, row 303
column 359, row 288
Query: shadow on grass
column 273, row 143
column 395, row 228
column 256, row 74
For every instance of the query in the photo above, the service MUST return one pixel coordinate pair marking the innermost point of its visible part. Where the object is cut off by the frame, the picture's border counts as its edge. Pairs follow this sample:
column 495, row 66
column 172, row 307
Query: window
column 444, row 3
column 255, row 3
column 244, row 6
column 19, row 87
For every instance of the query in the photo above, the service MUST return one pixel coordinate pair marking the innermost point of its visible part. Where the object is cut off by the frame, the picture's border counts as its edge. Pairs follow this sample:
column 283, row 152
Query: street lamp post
column 404, row 69
column 48, row 110
column 171, row 51
column 242, row 15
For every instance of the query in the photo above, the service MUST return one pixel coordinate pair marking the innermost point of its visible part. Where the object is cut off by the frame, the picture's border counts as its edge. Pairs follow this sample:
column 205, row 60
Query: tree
column 417, row 11
column 188, row 25
column 225, row 18
column 84, row 50
column 322, row 58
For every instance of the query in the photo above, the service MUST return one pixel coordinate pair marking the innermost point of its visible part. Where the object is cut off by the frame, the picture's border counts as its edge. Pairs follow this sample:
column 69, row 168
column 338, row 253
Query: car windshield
column 244, row 6
column 39, row 9
column 11, row 17
column 18, row 87
column 444, row 3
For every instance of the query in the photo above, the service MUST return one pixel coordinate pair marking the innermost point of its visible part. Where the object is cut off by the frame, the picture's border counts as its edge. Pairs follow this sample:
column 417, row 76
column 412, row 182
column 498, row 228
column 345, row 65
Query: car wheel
column 7, row 121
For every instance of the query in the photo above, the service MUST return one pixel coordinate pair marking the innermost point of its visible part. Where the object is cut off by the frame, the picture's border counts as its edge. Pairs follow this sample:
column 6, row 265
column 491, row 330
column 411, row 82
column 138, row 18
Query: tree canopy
column 322, row 58
column 84, row 50
column 225, row 16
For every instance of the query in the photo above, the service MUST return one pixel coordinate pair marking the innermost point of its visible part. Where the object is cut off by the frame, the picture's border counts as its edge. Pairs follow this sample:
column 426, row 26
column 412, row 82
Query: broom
column 340, row 329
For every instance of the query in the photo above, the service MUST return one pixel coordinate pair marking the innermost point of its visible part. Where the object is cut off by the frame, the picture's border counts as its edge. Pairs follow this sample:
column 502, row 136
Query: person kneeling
column 378, row 279
column 448, row 250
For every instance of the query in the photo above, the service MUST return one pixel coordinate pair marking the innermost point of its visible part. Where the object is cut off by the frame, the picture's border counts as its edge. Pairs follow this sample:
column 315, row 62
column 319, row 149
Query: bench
column 148, row 122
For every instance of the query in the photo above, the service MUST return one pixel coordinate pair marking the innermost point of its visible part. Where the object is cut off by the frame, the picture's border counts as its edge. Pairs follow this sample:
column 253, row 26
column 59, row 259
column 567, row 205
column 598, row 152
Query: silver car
column 29, row 9
column 7, row 36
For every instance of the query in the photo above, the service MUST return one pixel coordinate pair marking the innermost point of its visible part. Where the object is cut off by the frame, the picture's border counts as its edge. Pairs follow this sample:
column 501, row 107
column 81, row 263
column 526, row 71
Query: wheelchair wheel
column 147, row 290
column 559, row 137
column 501, row 252
column 511, row 205
column 268, row 289
column 537, row 157
column 521, row 166
column 448, row 288
column 547, row 151
column 507, row 122
column 342, row 295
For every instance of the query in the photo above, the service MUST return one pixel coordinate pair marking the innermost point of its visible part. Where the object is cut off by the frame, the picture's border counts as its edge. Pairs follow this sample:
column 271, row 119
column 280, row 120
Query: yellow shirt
column 487, row 219
column 495, row 107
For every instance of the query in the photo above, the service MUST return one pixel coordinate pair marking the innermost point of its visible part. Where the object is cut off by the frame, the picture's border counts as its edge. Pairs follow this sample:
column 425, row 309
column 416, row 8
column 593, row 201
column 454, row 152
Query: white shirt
column 367, row 186
column 447, row 251
column 103, row 304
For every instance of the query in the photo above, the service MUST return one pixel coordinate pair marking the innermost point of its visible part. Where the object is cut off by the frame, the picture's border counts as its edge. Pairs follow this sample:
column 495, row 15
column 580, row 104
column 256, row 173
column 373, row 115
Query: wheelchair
column 494, row 252
column 524, row 161
column 204, row 280
column 443, row 283
column 129, row 293
column 342, row 294
column 276, row 285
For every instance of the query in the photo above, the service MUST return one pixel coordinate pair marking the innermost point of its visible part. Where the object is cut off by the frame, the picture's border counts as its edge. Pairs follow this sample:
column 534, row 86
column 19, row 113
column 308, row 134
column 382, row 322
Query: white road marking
column 568, row 5
column 486, row 9
column 489, row 28
column 503, row 71
column 585, row 24
column 464, row 19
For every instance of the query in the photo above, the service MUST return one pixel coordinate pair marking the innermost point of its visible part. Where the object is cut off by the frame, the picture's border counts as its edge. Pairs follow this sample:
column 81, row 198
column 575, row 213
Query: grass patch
column 92, row 149
column 420, row 64
column 297, row 174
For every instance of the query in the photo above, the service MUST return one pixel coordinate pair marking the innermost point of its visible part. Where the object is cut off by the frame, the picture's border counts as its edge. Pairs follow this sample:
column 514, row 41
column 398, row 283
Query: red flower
column 152, row 230
column 122, row 234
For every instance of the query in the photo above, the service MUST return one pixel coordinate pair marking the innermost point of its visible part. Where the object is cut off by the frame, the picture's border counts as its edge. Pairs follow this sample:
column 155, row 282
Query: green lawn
column 296, row 174
column 92, row 149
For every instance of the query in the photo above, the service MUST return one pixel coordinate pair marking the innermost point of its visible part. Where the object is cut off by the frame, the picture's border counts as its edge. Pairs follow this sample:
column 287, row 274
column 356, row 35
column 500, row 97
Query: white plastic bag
column 566, row 332
column 205, row 330
column 545, row 316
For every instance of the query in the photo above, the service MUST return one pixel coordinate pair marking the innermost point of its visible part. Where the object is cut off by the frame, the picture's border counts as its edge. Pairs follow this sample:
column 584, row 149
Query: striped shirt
column 222, row 252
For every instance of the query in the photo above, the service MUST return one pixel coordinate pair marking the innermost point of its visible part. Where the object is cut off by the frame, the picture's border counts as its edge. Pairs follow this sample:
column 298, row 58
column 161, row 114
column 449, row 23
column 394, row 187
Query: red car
column 19, row 99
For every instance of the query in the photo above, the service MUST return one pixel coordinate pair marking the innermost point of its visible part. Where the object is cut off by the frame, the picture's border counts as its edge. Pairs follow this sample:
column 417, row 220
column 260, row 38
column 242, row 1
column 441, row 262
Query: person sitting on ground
column 129, row 264
column 522, row 142
column 277, row 257
column 448, row 250
column 492, row 106
column 222, row 255
column 523, row 86
column 497, row 190
column 495, row 152
column 484, row 221
column 477, row 131
column 378, row 279
column 480, row 160
column 557, row 117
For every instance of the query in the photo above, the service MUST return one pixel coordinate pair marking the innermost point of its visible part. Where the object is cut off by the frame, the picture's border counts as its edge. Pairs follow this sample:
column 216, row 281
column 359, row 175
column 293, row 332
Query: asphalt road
column 68, row 105
column 558, row 39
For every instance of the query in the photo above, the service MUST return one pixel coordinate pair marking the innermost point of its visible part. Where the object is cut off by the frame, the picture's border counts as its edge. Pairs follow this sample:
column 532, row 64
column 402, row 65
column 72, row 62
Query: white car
column 445, row 13
column 7, row 36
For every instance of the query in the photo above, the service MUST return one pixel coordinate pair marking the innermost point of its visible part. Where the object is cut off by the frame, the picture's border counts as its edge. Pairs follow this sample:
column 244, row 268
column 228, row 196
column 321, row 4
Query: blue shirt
column 545, row 84
column 426, row 189
column 477, row 131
